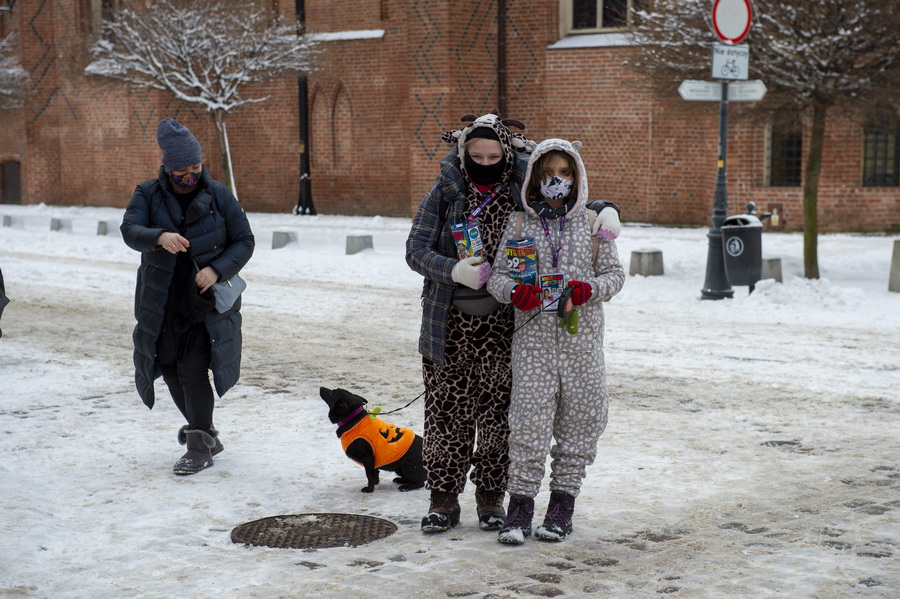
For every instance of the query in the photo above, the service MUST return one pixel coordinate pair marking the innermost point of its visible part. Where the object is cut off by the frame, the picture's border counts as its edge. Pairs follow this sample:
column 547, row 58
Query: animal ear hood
column 508, row 139
column 569, row 147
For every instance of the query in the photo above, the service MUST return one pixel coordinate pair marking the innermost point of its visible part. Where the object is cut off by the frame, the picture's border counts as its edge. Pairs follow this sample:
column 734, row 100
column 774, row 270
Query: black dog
column 373, row 443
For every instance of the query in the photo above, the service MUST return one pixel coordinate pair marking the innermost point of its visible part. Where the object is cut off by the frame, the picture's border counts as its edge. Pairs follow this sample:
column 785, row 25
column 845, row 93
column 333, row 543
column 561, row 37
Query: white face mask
column 556, row 188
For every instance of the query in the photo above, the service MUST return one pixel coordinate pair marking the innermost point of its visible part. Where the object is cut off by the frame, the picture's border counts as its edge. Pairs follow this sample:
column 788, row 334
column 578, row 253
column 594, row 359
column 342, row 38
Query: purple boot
column 558, row 521
column 517, row 525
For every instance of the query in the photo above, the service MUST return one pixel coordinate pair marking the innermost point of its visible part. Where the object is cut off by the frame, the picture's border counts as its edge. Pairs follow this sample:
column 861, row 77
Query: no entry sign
column 731, row 19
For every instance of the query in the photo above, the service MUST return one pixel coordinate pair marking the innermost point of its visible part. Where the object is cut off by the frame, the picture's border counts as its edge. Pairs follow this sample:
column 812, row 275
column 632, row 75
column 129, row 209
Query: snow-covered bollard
column 281, row 238
column 646, row 262
column 894, row 282
column 358, row 243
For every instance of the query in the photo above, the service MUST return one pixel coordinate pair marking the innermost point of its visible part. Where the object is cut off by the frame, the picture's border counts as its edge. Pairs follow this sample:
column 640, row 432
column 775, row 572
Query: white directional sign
column 730, row 62
column 700, row 90
column 711, row 91
column 746, row 91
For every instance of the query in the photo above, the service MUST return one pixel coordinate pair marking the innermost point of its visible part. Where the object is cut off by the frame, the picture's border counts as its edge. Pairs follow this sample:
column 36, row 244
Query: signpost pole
column 716, row 285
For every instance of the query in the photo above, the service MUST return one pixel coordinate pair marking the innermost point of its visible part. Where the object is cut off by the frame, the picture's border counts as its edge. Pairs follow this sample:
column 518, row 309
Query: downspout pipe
column 501, row 56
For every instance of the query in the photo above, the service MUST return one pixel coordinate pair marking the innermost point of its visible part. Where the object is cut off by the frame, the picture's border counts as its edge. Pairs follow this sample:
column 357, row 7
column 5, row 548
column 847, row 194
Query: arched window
column 321, row 145
column 343, row 128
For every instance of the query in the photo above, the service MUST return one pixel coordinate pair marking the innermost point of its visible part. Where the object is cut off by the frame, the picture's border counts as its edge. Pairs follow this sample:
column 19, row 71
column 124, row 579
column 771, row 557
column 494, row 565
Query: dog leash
column 377, row 409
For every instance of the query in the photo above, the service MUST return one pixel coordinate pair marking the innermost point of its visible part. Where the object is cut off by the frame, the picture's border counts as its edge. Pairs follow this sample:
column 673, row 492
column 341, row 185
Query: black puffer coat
column 220, row 236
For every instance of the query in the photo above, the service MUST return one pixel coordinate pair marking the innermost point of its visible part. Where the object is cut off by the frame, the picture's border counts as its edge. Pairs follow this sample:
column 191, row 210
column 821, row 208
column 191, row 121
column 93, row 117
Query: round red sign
column 731, row 19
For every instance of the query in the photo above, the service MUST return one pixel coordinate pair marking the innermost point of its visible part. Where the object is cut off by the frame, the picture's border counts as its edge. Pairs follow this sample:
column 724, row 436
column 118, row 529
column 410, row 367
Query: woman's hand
column 205, row 278
column 173, row 243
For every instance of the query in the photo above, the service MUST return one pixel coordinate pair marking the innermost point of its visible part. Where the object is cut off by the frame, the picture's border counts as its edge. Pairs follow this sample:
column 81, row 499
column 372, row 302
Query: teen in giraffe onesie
column 465, row 338
column 559, row 378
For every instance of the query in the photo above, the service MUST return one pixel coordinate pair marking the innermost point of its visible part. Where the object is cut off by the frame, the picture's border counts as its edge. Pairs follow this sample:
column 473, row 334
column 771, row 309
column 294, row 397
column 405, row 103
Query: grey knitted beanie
column 179, row 147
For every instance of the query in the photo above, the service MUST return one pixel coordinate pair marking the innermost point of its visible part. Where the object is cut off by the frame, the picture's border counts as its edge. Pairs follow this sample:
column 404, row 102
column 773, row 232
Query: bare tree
column 13, row 78
column 203, row 52
column 814, row 57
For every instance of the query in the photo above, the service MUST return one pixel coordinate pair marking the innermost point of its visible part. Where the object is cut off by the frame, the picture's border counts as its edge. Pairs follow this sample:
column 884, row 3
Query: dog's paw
column 367, row 489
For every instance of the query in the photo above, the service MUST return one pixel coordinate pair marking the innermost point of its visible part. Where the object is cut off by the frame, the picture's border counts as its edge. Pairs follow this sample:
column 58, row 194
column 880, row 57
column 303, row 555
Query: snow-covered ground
column 752, row 447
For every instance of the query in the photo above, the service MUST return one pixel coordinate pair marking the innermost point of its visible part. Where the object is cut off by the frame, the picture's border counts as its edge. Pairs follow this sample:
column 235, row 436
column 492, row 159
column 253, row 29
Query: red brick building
column 395, row 75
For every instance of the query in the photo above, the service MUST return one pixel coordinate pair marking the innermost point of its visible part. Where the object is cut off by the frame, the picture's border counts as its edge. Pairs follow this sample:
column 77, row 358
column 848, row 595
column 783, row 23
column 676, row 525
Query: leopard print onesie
column 466, row 408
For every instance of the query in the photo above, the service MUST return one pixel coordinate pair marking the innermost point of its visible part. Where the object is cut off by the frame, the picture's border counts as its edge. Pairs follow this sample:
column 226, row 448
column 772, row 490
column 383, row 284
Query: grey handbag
column 227, row 292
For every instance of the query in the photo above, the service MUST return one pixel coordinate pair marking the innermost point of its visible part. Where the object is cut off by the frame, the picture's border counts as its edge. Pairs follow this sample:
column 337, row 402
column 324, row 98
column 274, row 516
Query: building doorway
column 10, row 174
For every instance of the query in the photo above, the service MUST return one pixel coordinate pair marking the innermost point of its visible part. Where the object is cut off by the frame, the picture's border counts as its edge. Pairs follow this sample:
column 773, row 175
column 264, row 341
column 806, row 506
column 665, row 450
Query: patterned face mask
column 186, row 180
column 556, row 188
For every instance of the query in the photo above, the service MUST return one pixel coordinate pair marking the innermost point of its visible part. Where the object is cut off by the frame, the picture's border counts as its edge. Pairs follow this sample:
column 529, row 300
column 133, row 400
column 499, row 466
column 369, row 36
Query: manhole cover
column 313, row 531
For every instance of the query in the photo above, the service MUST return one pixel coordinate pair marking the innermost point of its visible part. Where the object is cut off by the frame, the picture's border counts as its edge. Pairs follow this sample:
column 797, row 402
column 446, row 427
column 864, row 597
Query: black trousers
column 188, row 382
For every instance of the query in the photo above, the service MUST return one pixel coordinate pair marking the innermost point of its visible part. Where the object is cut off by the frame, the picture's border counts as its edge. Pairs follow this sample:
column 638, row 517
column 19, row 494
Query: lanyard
column 495, row 191
column 562, row 226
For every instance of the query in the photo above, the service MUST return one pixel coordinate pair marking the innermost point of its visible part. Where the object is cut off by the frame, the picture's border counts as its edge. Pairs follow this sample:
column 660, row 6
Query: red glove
column 526, row 297
column 581, row 293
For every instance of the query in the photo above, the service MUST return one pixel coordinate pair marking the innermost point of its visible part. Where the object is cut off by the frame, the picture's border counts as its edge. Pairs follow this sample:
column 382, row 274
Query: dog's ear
column 353, row 396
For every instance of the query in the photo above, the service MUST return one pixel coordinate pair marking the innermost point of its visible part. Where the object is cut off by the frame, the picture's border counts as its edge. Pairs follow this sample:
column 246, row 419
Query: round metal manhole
column 313, row 531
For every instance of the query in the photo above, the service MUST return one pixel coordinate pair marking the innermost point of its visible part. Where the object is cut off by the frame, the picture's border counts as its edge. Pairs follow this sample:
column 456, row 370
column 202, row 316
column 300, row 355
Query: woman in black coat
column 191, row 232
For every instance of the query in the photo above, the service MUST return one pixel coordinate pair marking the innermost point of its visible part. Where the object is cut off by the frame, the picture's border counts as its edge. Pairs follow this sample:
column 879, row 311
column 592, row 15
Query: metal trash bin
column 742, row 249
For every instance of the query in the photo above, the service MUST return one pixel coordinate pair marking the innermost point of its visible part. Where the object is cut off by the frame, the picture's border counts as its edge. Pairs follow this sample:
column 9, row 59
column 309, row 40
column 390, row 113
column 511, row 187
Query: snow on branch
column 203, row 52
column 13, row 78
column 831, row 52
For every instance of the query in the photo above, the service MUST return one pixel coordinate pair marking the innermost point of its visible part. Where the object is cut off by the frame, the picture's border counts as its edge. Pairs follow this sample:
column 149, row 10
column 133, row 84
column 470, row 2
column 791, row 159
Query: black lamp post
column 304, row 200
column 717, row 285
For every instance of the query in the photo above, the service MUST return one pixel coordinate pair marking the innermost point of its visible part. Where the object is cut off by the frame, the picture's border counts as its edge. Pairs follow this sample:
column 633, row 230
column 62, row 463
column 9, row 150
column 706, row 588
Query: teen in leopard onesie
column 559, row 376
column 465, row 338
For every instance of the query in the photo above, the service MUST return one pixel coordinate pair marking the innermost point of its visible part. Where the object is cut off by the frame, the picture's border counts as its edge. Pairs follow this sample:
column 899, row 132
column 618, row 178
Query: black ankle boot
column 200, row 446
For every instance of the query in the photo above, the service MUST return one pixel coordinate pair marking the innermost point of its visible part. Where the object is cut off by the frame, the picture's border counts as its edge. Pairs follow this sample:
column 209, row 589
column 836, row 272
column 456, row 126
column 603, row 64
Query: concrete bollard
column 7, row 220
column 102, row 228
column 60, row 224
column 894, row 283
column 646, row 262
column 282, row 238
column 358, row 243
column 771, row 269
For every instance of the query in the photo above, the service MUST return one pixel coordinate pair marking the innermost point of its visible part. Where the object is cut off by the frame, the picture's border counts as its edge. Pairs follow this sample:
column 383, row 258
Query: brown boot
column 443, row 514
column 490, row 509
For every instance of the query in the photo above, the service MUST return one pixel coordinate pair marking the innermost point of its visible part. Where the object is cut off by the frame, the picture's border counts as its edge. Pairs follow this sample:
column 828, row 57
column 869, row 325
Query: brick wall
column 378, row 107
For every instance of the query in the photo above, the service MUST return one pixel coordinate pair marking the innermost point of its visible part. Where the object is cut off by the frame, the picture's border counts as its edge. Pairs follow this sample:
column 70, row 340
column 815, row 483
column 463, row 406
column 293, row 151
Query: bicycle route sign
column 730, row 62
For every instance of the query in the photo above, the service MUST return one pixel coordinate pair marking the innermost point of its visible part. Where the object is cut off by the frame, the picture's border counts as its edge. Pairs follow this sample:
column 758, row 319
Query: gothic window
column 785, row 154
column 881, row 149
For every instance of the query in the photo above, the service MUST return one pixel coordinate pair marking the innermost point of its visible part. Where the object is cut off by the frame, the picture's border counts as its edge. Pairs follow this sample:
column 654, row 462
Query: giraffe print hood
column 511, row 142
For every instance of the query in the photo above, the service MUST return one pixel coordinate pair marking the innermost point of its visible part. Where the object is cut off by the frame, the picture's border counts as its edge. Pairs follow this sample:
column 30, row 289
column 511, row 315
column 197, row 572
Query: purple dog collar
column 350, row 417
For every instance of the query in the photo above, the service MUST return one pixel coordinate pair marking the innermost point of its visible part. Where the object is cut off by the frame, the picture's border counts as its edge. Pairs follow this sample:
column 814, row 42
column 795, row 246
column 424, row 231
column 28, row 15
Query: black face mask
column 484, row 174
